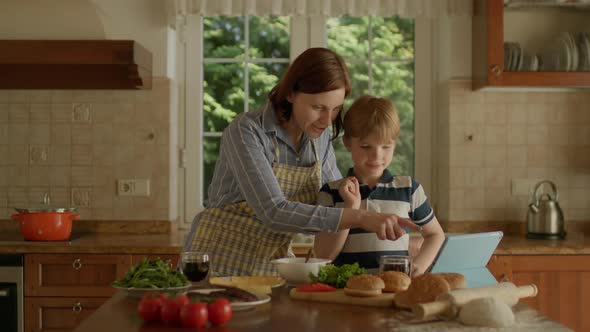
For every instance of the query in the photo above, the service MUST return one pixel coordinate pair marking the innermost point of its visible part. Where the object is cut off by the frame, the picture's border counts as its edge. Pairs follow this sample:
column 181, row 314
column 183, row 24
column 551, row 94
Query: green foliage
column 152, row 273
column 392, row 72
column 391, row 68
column 336, row 276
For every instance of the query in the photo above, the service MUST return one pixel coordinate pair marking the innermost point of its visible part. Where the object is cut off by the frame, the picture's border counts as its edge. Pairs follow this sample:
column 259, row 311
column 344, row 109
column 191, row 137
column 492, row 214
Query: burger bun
column 364, row 285
column 395, row 281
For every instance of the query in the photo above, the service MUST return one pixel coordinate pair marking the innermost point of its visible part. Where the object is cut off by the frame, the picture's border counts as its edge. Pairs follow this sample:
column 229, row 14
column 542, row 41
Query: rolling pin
column 448, row 304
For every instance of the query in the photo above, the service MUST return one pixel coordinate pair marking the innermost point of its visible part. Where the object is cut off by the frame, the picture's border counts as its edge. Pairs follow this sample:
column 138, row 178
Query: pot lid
column 45, row 207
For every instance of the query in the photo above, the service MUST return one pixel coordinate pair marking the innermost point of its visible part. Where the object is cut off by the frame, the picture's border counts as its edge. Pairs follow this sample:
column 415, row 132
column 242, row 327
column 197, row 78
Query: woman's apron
column 237, row 241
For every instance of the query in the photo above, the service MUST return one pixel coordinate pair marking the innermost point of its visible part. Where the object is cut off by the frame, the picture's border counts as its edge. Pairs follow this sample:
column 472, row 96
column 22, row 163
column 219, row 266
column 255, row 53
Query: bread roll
column 395, row 281
column 364, row 285
column 455, row 280
column 424, row 288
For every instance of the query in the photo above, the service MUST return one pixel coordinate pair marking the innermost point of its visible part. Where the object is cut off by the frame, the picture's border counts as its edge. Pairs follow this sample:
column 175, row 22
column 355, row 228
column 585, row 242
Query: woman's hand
column 350, row 192
column 388, row 226
column 385, row 226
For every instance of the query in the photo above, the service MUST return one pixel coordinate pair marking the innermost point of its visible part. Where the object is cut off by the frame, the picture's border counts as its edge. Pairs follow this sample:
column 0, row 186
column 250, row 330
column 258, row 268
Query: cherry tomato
column 182, row 300
column 149, row 308
column 171, row 312
column 194, row 314
column 220, row 311
column 315, row 287
column 150, row 295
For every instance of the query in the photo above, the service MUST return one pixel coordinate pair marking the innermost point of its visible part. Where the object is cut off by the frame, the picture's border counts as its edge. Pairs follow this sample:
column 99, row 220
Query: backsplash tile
column 75, row 144
column 497, row 136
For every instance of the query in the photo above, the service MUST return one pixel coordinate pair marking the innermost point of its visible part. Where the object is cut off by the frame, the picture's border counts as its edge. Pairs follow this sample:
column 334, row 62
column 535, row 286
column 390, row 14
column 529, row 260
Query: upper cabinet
column 524, row 43
column 74, row 64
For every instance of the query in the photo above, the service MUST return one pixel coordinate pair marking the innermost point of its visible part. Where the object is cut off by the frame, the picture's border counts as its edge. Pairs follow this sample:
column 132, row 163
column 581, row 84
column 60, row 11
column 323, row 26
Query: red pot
column 48, row 224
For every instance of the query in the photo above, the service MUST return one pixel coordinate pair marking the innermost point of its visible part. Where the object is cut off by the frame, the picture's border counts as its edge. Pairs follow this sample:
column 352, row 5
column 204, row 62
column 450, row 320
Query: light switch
column 133, row 187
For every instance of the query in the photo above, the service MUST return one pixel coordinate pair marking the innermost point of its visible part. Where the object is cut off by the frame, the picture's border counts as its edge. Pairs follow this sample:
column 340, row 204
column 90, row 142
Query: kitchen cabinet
column 73, row 275
column 493, row 25
column 563, row 282
column 58, row 313
column 61, row 290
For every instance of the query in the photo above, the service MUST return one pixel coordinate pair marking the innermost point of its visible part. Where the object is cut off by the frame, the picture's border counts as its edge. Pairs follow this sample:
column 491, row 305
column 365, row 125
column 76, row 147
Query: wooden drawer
column 70, row 275
column 58, row 314
column 172, row 258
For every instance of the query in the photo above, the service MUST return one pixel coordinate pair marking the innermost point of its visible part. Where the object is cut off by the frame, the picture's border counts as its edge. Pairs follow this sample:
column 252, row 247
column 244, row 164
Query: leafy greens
column 336, row 276
column 152, row 273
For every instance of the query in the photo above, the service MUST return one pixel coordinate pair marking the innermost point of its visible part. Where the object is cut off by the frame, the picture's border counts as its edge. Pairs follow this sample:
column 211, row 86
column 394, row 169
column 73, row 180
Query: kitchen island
column 284, row 315
column 66, row 281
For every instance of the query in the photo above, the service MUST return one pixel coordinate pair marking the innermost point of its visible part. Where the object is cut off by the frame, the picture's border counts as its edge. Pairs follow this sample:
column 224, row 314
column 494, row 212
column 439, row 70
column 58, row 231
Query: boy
column 371, row 128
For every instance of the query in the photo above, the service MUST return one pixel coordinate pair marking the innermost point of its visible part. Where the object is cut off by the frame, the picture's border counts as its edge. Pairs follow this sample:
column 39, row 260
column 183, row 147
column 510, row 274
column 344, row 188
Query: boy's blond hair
column 372, row 115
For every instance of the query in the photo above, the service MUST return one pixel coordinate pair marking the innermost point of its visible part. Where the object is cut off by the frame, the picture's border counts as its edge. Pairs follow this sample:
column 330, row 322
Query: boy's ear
column 346, row 141
column 290, row 97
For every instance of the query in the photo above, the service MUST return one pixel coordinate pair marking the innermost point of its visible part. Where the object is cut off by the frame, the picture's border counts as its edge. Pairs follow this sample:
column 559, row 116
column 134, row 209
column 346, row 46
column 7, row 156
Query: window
column 379, row 53
column 242, row 58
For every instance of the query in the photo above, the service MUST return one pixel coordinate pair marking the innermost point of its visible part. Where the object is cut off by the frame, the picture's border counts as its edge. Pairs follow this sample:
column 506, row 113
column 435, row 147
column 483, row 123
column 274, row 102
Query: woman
column 271, row 165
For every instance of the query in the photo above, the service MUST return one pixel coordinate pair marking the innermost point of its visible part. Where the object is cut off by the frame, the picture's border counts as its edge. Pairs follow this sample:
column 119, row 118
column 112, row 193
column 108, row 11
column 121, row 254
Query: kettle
column 545, row 217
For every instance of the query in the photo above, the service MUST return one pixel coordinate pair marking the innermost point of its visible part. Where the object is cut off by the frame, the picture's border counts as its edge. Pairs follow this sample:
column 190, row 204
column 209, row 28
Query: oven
column 11, row 293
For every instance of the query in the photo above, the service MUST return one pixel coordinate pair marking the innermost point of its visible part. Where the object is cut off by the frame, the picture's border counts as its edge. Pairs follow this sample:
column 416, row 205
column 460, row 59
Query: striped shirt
column 244, row 173
column 400, row 195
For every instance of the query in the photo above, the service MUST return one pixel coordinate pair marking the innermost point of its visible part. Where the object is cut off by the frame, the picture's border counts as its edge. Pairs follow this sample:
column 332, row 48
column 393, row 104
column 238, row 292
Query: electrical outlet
column 524, row 187
column 133, row 187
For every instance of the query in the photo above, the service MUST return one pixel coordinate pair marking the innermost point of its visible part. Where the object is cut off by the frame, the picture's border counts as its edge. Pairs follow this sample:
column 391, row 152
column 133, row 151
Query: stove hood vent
column 74, row 64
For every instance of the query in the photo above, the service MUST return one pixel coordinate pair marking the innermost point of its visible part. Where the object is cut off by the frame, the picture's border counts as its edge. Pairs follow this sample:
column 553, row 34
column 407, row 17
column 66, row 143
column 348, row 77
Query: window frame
column 305, row 32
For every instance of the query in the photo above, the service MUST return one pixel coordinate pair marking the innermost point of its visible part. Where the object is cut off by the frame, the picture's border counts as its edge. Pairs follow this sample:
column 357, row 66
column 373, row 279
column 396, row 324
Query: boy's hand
column 350, row 192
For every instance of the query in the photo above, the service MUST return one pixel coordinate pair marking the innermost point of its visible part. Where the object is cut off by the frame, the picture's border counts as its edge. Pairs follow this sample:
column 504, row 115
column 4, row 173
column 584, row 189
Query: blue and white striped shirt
column 400, row 195
column 244, row 173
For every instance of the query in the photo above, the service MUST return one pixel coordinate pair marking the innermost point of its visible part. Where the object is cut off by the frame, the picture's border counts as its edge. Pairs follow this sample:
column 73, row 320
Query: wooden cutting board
column 338, row 296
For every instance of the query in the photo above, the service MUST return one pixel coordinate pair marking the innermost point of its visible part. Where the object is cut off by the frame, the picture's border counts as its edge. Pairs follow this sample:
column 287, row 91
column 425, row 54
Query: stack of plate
column 567, row 53
column 584, row 52
column 515, row 58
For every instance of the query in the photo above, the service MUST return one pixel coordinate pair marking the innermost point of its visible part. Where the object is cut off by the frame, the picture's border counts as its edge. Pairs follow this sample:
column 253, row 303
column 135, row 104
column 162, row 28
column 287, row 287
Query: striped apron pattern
column 240, row 244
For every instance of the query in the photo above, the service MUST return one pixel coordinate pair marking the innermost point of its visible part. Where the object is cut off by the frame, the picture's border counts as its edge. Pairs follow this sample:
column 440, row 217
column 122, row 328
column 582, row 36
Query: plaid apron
column 237, row 242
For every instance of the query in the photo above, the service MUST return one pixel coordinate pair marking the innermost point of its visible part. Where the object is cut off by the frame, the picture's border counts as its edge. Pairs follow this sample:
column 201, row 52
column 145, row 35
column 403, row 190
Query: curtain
column 403, row 8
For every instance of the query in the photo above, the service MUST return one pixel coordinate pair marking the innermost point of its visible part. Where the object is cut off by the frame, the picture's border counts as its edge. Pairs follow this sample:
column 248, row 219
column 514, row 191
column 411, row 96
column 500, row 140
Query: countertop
column 97, row 243
column 284, row 314
column 171, row 243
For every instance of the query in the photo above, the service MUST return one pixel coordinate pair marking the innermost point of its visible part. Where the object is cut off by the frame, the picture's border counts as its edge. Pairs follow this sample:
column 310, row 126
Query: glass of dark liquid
column 395, row 263
column 195, row 265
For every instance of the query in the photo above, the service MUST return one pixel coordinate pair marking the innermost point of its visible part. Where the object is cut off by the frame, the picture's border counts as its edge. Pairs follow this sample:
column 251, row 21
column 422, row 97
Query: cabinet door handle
column 77, row 308
column 77, row 264
column 4, row 292
column 496, row 71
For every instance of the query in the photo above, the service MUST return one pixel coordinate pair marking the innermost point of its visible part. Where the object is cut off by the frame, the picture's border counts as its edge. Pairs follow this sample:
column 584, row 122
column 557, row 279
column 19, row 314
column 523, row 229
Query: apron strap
column 278, row 152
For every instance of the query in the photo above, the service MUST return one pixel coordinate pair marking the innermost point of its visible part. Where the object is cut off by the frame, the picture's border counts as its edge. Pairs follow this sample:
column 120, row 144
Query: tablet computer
column 468, row 254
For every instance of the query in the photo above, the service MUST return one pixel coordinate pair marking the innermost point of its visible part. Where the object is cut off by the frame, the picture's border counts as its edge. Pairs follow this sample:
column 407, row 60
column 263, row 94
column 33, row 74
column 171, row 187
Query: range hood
column 74, row 64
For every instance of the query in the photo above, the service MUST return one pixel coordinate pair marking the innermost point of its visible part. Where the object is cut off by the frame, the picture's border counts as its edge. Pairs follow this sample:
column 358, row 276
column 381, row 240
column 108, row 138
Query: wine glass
column 194, row 265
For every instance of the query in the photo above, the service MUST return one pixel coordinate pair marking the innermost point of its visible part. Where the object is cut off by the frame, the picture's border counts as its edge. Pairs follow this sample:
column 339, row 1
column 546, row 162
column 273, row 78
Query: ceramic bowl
column 296, row 271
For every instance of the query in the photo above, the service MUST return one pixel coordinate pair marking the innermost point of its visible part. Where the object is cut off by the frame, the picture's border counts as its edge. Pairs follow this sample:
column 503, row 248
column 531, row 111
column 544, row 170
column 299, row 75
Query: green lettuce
column 336, row 276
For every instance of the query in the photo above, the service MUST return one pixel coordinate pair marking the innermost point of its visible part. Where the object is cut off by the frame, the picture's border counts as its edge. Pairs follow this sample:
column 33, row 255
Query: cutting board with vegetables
column 338, row 296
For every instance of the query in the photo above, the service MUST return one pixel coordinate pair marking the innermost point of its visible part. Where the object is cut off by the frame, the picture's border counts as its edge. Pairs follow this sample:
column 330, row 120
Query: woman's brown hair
column 314, row 71
column 372, row 115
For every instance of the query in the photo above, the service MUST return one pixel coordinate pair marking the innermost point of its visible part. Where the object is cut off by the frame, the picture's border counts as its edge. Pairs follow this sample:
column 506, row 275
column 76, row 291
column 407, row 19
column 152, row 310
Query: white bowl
column 295, row 271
